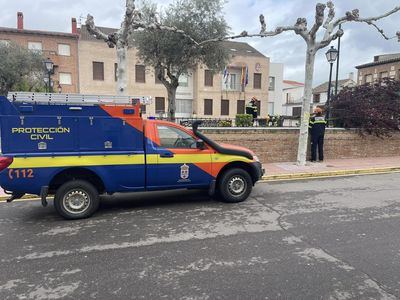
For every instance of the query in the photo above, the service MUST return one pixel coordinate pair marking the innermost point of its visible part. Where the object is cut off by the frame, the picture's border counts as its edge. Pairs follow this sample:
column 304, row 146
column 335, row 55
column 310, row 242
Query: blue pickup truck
column 78, row 147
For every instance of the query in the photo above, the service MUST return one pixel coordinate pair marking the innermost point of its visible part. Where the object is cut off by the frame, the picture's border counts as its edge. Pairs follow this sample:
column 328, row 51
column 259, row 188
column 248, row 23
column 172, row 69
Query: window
column 208, row 78
column 271, row 108
column 224, row 107
column 271, row 84
column 183, row 81
column 140, row 73
column 208, row 107
column 241, row 106
column 160, row 105
column 184, row 106
column 296, row 112
column 143, row 109
column 384, row 75
column 35, row 46
column 233, row 82
column 98, row 70
column 317, row 98
column 171, row 137
column 368, row 78
column 115, row 72
column 64, row 50
column 65, row 78
column 257, row 81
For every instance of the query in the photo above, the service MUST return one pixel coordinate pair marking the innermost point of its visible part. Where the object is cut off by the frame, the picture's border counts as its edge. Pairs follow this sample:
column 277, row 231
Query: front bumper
column 258, row 171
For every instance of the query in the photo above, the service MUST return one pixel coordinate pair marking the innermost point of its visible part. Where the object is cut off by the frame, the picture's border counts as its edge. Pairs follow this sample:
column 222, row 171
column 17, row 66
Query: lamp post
column 337, row 64
column 59, row 87
column 331, row 56
column 49, row 65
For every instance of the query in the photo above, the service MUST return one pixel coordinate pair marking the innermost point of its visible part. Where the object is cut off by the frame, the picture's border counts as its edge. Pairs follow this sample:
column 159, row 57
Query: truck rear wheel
column 76, row 199
column 235, row 185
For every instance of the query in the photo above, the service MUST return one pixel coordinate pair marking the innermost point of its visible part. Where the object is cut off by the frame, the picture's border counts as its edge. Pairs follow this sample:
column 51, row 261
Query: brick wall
column 280, row 145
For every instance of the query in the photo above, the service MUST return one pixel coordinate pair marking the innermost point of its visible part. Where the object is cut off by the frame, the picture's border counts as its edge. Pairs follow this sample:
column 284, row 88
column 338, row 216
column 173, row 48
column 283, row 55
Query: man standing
column 252, row 109
column 317, row 128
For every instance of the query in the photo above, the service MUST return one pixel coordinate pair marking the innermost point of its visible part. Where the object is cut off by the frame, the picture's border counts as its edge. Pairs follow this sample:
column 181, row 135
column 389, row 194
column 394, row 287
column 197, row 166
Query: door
column 173, row 160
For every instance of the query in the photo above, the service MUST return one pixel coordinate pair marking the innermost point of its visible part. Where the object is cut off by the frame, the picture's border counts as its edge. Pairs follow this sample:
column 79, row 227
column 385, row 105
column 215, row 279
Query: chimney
column 74, row 26
column 20, row 21
column 351, row 76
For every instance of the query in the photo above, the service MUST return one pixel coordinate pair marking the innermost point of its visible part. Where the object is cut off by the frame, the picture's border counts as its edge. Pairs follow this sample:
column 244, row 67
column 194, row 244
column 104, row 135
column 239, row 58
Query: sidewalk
column 333, row 167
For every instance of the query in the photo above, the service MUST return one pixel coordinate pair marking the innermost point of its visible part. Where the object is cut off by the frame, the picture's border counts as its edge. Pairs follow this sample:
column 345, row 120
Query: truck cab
column 79, row 147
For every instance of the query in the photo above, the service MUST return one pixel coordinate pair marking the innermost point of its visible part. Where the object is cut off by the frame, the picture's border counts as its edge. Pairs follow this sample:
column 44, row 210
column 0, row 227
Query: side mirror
column 200, row 144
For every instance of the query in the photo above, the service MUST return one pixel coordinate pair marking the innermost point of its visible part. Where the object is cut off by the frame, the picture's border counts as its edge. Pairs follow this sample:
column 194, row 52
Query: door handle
column 167, row 155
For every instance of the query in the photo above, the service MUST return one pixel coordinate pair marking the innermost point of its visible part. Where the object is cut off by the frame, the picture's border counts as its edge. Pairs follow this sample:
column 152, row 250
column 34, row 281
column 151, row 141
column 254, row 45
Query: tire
column 83, row 205
column 235, row 186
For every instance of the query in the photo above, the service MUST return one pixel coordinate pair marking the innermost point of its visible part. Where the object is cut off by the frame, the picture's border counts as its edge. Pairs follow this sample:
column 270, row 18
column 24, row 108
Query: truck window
column 171, row 137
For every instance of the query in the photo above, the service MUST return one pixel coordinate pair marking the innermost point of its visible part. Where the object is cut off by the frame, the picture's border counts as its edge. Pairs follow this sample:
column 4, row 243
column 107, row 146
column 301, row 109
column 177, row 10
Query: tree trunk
column 122, row 70
column 171, row 103
column 305, row 116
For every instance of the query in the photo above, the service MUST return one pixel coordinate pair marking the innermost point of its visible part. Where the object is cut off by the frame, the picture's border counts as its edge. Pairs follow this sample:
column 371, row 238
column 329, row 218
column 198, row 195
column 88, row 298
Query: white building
column 320, row 93
column 275, row 89
column 293, row 93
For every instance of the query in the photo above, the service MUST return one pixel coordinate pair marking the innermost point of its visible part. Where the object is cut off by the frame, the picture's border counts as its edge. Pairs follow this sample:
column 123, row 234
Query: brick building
column 383, row 66
column 60, row 47
column 200, row 93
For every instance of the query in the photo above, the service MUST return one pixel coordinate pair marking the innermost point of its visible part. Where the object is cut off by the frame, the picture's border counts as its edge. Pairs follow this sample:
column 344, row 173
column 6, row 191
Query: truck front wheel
column 76, row 199
column 235, row 185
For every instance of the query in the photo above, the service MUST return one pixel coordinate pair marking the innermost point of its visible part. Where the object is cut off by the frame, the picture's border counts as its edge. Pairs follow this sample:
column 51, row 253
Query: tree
column 122, row 40
column 20, row 69
column 372, row 108
column 331, row 32
column 172, row 55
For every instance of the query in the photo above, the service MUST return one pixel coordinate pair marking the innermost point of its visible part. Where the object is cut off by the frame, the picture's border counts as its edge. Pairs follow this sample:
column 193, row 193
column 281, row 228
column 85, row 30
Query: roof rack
column 76, row 99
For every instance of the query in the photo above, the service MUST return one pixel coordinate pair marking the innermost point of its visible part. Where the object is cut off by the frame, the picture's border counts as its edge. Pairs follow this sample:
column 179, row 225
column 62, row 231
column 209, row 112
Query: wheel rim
column 237, row 185
column 76, row 201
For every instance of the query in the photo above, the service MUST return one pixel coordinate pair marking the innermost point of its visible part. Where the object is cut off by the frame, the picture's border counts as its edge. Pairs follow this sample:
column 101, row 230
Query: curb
column 337, row 173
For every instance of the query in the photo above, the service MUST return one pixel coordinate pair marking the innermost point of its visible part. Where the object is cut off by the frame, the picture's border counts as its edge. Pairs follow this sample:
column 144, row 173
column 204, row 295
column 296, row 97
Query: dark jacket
column 317, row 125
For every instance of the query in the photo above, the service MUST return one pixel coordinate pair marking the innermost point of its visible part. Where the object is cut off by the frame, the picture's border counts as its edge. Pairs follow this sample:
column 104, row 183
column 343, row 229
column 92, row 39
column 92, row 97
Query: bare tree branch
column 97, row 33
column 326, row 41
column 354, row 16
column 319, row 19
column 331, row 14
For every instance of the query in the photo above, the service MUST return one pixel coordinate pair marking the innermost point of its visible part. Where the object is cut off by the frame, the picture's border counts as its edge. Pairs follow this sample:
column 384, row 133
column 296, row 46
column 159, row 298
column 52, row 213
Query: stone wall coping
column 265, row 128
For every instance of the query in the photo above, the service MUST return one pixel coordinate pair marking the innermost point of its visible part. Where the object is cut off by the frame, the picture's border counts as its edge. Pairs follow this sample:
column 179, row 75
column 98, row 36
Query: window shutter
column 208, row 107
column 140, row 73
column 208, row 78
column 257, row 81
column 98, row 70
column 160, row 105
column 240, row 106
column 224, row 107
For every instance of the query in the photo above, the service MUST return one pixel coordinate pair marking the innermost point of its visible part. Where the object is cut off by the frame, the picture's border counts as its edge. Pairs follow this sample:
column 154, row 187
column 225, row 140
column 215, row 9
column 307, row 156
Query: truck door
column 174, row 161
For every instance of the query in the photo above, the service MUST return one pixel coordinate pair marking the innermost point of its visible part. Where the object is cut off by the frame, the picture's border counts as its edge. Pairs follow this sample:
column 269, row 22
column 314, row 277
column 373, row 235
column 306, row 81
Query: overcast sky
column 359, row 44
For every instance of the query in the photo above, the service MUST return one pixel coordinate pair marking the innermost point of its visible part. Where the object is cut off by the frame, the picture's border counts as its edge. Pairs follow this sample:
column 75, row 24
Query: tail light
column 5, row 162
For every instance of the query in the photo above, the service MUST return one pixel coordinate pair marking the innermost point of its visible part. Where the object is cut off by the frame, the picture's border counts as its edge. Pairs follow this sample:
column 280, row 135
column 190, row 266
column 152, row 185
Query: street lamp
column 331, row 56
column 49, row 65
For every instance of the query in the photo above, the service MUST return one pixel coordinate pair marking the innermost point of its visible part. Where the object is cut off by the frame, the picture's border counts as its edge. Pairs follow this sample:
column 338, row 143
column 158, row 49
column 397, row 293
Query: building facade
column 293, row 93
column 383, row 66
column 320, row 93
column 200, row 93
column 275, row 90
column 61, row 48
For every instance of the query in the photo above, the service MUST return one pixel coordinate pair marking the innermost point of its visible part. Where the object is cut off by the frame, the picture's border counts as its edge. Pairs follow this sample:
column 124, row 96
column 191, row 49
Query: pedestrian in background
column 317, row 129
column 252, row 109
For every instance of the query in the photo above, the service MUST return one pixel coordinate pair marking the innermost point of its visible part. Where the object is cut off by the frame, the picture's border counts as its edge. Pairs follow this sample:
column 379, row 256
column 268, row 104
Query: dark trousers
column 317, row 141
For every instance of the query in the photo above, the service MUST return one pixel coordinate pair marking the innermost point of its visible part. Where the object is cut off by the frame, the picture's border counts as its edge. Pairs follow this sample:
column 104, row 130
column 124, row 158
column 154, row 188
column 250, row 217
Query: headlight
column 255, row 158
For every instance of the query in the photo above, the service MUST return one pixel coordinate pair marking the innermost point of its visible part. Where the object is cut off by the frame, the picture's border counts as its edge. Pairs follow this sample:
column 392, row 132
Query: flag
column 226, row 75
column 246, row 80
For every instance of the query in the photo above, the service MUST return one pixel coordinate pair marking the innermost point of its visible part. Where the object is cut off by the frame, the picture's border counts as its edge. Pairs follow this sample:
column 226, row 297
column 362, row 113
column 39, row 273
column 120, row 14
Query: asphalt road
column 319, row 239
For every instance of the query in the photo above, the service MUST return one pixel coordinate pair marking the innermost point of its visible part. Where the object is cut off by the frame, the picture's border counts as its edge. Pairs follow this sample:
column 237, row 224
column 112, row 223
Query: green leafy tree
column 172, row 54
column 20, row 69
